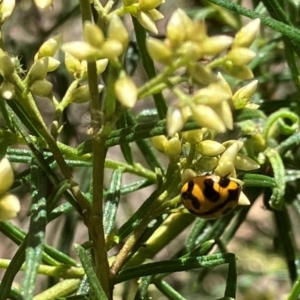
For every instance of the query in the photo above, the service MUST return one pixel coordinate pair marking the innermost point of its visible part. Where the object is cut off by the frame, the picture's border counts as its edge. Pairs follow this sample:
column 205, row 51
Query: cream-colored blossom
column 173, row 147
column 82, row 50
column 159, row 51
column 215, row 45
column 117, row 31
column 49, row 47
column 93, row 34
column 159, row 142
column 242, row 96
column 210, row 148
column 175, row 120
column 146, row 20
column 126, row 91
column 247, row 34
column 205, row 116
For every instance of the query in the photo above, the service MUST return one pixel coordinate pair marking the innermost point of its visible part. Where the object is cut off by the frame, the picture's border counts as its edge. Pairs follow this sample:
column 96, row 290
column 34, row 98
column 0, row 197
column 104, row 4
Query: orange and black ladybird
column 210, row 196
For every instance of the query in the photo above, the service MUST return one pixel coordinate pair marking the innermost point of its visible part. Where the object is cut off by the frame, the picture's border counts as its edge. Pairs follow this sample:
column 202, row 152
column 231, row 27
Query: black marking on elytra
column 188, row 195
column 233, row 195
column 224, row 182
column 209, row 192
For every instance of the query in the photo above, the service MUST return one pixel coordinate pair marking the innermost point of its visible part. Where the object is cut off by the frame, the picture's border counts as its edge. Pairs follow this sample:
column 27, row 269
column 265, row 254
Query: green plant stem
column 161, row 77
column 95, row 286
column 62, row 271
column 64, row 288
column 133, row 238
column 29, row 108
column 294, row 295
column 167, row 290
column 66, row 100
column 282, row 114
column 176, row 265
column 277, row 198
column 95, row 221
column 164, row 234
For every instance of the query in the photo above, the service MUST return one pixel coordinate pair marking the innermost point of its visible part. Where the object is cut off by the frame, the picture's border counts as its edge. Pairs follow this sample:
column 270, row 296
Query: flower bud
column 126, row 91
column 150, row 4
column 82, row 94
column 117, row 31
column 159, row 51
column 39, row 70
column 6, row 175
column 43, row 4
column 82, row 50
column 224, row 84
column 176, row 28
column 194, row 136
column 101, row 65
column 7, row 90
column 53, row 64
column 225, row 169
column 155, row 14
column 159, row 142
column 215, row 45
column 224, row 112
column 112, row 49
column 242, row 72
column 9, row 207
column 173, row 147
column 191, row 50
column 6, row 9
column 206, row 117
column 41, row 88
column 146, row 20
column 242, row 96
column 245, row 163
column 214, row 94
column 174, row 120
column 207, row 164
column 7, row 65
column 243, row 199
column 72, row 64
column 187, row 174
column 240, row 56
column 92, row 34
column 229, row 143
column 210, row 148
column 197, row 32
column 201, row 73
column 230, row 153
column 247, row 34
column 50, row 46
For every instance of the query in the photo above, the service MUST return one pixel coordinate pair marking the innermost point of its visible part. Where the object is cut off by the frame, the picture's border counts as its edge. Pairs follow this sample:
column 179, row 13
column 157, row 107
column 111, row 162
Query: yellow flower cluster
column 9, row 203
column 211, row 156
column 145, row 11
column 187, row 45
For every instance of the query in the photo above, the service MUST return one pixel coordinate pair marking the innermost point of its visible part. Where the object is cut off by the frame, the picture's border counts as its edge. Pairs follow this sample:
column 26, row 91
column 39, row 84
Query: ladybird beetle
column 210, row 196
